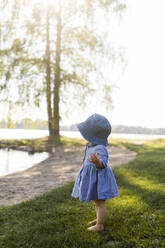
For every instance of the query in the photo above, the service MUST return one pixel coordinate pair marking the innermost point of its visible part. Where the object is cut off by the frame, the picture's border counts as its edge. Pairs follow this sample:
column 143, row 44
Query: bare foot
column 96, row 228
column 91, row 222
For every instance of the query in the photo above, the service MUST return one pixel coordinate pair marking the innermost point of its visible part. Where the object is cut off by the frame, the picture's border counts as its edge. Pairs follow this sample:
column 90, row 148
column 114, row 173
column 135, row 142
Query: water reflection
column 14, row 161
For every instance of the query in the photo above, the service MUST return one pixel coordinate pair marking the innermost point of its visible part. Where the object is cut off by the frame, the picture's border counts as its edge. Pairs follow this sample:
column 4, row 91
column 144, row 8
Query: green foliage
column 27, row 123
column 10, row 123
column 16, row 46
column 8, row 75
column 23, row 56
column 117, row 5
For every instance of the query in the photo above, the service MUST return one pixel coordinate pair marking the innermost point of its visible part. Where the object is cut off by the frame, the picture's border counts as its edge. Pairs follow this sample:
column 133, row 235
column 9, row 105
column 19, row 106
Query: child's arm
column 95, row 160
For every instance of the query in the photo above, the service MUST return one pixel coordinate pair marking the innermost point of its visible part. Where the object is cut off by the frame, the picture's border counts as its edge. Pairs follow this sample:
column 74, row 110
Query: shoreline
column 61, row 167
column 38, row 144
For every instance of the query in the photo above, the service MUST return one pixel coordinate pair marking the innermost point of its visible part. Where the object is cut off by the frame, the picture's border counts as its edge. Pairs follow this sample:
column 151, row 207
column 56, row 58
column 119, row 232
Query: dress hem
column 97, row 198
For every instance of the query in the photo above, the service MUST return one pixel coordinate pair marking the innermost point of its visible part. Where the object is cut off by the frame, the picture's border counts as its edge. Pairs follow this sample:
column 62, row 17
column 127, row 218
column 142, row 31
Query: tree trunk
column 56, row 99
column 48, row 77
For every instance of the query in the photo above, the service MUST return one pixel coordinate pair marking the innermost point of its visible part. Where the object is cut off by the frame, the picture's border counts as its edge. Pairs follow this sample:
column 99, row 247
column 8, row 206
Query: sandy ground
column 61, row 167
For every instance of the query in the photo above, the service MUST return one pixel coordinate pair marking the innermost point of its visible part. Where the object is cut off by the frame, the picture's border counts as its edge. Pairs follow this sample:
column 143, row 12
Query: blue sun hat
column 95, row 129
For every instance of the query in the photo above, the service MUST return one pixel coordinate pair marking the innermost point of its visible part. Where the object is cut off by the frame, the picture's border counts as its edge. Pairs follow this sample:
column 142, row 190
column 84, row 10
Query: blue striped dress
column 93, row 183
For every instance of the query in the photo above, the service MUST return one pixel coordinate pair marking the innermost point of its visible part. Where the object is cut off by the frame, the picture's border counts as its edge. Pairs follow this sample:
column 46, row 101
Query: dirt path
column 58, row 169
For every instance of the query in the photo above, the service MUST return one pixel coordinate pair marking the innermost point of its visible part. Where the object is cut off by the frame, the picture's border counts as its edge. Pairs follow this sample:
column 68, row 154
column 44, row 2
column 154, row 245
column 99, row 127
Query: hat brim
column 86, row 135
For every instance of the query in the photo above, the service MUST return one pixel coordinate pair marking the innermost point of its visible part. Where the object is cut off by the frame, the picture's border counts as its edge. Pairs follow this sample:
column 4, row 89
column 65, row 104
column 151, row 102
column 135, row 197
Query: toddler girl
column 95, row 180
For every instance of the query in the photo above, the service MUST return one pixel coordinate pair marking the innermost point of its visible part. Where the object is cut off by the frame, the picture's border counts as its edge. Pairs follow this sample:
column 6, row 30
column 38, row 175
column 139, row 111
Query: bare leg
column 101, row 214
column 94, row 221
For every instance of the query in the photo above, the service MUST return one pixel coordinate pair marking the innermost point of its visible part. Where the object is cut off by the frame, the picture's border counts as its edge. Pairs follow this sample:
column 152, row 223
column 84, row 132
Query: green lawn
column 134, row 219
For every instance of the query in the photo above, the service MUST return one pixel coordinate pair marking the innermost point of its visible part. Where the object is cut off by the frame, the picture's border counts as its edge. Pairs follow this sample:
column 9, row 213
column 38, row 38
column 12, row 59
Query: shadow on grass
column 149, row 163
column 145, row 175
column 153, row 198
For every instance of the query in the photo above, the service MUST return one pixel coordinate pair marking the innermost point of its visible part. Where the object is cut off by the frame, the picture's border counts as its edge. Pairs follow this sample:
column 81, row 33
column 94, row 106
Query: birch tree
column 56, row 52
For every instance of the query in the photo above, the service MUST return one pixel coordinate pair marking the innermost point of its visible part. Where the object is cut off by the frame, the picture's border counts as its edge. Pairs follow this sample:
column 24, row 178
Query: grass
column 41, row 144
column 134, row 219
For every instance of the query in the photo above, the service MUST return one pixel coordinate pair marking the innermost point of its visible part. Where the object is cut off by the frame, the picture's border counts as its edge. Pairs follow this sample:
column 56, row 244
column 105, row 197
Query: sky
column 138, row 98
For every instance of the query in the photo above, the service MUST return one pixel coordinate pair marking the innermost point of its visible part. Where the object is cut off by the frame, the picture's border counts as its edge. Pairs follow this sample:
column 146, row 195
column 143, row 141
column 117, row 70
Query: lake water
column 32, row 134
column 14, row 161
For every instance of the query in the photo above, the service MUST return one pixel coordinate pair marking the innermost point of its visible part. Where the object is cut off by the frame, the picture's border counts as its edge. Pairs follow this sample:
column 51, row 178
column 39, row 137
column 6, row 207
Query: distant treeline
column 137, row 130
column 27, row 123
column 124, row 129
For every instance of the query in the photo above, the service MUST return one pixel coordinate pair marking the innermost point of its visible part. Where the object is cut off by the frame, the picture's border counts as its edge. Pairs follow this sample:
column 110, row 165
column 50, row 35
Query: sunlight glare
column 50, row 2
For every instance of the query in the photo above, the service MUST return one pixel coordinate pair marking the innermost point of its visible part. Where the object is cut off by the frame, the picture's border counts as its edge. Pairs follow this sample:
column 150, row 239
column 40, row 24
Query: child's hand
column 95, row 160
